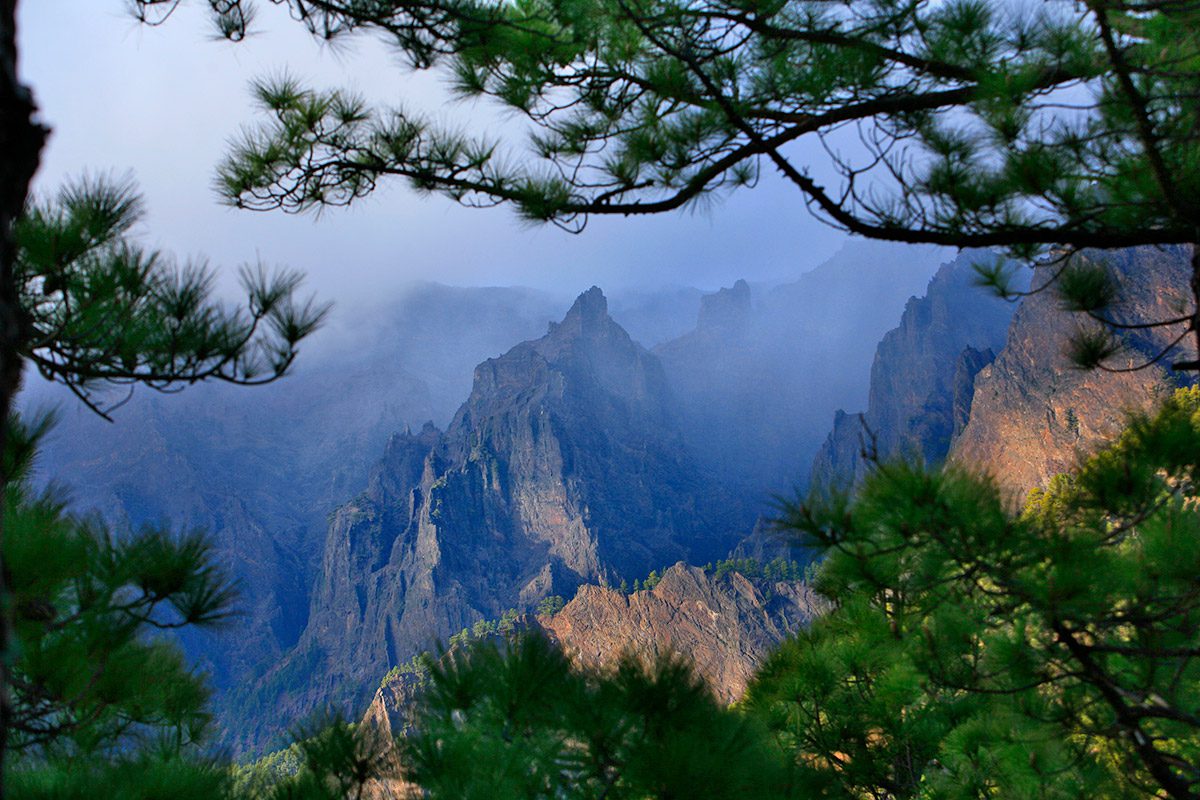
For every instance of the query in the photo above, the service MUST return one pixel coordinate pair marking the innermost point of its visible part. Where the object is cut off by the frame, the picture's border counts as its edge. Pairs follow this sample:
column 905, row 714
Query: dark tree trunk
column 21, row 140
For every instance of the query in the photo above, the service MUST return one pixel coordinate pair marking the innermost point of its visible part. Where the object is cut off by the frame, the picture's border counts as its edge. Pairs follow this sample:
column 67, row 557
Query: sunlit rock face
column 565, row 466
column 723, row 626
column 1033, row 413
column 922, row 378
column 1026, row 413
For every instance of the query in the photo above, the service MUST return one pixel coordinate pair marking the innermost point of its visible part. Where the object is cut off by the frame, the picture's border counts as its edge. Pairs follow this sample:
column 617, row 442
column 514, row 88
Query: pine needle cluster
column 973, row 653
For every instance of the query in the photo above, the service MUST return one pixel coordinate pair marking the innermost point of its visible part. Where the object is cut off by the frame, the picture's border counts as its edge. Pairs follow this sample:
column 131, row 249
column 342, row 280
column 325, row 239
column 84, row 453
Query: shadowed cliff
column 565, row 466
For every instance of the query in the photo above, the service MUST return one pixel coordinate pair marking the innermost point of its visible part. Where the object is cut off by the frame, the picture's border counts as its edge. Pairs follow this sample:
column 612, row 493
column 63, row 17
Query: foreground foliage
column 1041, row 128
column 975, row 653
column 515, row 721
column 102, row 705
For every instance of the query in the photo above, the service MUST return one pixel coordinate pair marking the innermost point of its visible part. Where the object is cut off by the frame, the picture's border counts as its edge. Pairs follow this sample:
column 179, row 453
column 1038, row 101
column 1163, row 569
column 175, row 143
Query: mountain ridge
column 563, row 467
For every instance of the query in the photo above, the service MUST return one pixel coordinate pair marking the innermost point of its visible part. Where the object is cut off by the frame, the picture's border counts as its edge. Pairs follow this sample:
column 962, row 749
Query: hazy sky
column 163, row 102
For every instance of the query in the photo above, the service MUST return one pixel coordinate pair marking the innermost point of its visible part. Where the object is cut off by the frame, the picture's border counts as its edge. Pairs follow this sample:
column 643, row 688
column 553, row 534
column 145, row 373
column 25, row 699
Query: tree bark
column 21, row 140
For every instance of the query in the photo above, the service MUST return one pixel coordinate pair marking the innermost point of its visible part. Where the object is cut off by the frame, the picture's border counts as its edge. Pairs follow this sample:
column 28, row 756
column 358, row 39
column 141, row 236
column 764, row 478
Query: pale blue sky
column 162, row 102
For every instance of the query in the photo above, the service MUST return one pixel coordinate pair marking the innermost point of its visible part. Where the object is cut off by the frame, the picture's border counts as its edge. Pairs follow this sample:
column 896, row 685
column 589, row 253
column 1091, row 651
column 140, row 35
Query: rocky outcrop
column 723, row 626
column 1033, row 412
column 922, row 377
column 390, row 711
column 565, row 466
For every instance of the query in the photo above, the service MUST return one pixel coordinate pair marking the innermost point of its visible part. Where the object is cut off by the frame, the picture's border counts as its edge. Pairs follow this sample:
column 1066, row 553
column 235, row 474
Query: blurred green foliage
column 972, row 652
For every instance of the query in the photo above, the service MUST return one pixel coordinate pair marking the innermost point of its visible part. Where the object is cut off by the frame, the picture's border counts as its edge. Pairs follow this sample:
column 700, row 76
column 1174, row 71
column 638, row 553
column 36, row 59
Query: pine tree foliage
column 145, row 777
column 976, row 653
column 101, row 311
column 330, row 759
column 643, row 105
column 1041, row 128
column 516, row 721
column 98, row 699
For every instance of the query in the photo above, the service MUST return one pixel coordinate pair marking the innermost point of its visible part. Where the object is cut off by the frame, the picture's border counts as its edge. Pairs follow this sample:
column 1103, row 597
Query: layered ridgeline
column 262, row 468
column 564, row 467
column 959, row 380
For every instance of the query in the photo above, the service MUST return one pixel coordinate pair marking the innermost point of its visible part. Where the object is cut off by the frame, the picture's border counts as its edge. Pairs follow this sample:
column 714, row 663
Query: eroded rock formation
column 564, row 467
column 1034, row 412
column 723, row 626
column 922, row 377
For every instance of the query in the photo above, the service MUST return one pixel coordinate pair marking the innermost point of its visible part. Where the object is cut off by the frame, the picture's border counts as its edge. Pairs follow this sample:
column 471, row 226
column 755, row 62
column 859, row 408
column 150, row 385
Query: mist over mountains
column 645, row 428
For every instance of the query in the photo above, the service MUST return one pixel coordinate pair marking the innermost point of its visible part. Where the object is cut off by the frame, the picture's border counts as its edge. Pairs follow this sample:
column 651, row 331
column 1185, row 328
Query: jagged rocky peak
column 580, row 430
column 726, row 310
column 586, row 349
column 590, row 308
column 565, row 466
column 922, row 377
column 587, row 318
column 1033, row 412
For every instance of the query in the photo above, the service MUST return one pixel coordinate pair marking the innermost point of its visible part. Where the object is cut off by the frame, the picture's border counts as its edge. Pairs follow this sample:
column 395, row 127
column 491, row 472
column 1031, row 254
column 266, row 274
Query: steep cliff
column 1033, row 412
column 564, row 466
column 723, row 625
column 921, row 378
